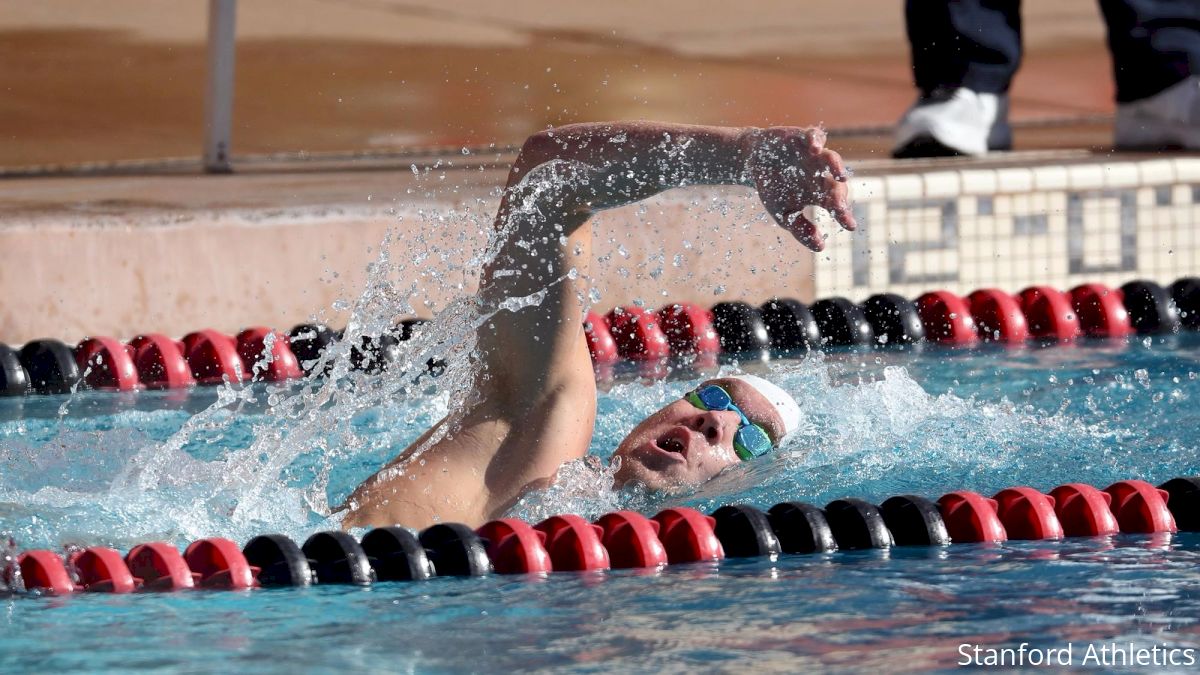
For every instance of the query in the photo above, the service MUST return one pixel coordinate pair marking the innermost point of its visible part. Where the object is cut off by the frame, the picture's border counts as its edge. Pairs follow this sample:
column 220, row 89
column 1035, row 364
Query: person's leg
column 964, row 56
column 964, row 43
column 1155, row 48
column 1154, row 43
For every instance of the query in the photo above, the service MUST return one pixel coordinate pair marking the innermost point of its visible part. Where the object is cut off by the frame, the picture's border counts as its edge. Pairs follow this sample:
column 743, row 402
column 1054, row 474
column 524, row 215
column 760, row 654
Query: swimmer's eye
column 751, row 440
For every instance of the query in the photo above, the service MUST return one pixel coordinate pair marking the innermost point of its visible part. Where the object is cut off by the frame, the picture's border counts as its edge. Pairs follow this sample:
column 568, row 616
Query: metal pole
column 218, row 100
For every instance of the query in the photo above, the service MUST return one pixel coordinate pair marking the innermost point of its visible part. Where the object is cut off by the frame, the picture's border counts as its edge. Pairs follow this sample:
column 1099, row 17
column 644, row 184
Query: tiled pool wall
column 1059, row 224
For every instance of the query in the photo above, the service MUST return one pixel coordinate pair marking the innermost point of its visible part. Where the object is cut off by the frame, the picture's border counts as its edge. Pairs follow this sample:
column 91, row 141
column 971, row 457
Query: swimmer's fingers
column 836, row 200
column 815, row 139
column 835, row 189
column 804, row 230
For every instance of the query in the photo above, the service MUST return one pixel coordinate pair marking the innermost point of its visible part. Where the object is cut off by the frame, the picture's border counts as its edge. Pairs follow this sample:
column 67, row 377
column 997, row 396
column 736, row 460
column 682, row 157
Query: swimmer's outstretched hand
column 792, row 169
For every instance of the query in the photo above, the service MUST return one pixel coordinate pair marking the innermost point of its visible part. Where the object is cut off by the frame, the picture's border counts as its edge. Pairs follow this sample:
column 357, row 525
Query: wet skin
column 536, row 391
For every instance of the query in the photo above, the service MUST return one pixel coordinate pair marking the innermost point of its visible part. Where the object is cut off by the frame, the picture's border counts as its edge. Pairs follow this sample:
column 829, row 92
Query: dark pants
column 977, row 43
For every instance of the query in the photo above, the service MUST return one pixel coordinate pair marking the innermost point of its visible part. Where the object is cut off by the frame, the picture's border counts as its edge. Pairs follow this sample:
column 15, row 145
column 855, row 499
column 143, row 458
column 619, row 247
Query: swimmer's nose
column 710, row 423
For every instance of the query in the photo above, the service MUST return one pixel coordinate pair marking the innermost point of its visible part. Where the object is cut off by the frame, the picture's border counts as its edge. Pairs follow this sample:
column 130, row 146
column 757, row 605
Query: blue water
column 106, row 469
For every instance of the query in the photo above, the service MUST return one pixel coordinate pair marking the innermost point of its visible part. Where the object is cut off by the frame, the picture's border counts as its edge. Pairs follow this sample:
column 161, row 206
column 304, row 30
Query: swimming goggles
column 751, row 440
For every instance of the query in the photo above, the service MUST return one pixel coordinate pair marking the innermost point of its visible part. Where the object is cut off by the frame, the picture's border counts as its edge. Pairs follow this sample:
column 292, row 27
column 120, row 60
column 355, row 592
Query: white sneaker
column 954, row 122
column 1168, row 119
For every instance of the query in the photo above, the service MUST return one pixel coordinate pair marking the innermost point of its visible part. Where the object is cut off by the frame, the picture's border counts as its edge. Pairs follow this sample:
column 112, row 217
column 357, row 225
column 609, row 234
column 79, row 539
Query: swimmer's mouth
column 674, row 441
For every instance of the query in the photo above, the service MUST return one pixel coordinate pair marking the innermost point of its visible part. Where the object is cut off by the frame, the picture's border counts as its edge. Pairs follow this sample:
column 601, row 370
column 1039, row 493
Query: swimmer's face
column 682, row 445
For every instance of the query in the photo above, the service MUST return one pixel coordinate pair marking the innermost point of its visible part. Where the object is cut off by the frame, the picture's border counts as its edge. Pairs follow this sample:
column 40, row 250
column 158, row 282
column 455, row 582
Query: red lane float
column 1100, row 310
column 159, row 362
column 219, row 563
column 689, row 329
column 1140, row 507
column 1083, row 510
column 1049, row 313
column 160, row 567
column 573, row 543
column 515, row 547
column 44, row 571
column 947, row 318
column 103, row 570
column 106, row 364
column 998, row 316
column 637, row 334
column 262, row 361
column 213, row 357
column 1027, row 514
column 971, row 517
column 631, row 540
column 688, row 535
column 600, row 341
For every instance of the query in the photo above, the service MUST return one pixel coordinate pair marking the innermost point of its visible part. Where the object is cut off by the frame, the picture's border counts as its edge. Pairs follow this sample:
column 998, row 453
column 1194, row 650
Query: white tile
column 1085, row 176
column 1056, row 202
column 1056, row 225
column 1022, row 204
column 1046, row 178
column 1014, row 179
column 866, row 189
column 1187, row 169
column 1157, row 171
column 1145, row 201
column 930, row 229
column 1121, row 174
column 1057, row 246
column 943, row 184
column 904, row 186
column 978, row 181
column 1039, row 203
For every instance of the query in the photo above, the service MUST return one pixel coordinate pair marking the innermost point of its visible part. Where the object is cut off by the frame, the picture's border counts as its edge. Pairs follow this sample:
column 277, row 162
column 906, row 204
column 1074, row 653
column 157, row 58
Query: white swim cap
column 785, row 405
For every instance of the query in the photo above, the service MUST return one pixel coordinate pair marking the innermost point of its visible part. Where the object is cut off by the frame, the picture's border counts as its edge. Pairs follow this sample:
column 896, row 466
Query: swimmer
column 535, row 389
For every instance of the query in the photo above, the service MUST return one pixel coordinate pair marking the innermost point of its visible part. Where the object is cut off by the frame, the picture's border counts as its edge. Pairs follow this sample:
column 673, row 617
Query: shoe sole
column 924, row 146
column 1139, row 133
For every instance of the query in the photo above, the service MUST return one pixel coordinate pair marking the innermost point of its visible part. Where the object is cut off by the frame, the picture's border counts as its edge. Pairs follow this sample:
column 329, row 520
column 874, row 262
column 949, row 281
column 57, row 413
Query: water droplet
column 466, row 151
column 719, row 289
column 1142, row 377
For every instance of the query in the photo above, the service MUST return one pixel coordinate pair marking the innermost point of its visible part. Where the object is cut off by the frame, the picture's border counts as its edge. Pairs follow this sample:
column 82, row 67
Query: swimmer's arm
column 790, row 167
column 562, row 176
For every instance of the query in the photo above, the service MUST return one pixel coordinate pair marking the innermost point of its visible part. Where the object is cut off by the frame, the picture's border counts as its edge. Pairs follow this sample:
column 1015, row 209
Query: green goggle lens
column 751, row 440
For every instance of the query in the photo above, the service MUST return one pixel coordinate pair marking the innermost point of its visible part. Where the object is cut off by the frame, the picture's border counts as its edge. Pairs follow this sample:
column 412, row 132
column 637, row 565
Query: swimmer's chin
column 637, row 481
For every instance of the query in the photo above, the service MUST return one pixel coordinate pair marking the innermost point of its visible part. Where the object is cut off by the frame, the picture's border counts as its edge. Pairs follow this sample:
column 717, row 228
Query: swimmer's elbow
column 538, row 149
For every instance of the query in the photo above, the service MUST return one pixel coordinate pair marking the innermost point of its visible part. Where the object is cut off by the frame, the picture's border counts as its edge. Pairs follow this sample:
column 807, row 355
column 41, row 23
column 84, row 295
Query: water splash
column 278, row 457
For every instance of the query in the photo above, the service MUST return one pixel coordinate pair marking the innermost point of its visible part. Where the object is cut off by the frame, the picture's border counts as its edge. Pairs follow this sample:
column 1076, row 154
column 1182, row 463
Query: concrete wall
column 119, row 268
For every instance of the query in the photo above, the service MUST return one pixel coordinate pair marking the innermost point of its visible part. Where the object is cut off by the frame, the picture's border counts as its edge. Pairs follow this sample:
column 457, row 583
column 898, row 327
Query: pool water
column 97, row 468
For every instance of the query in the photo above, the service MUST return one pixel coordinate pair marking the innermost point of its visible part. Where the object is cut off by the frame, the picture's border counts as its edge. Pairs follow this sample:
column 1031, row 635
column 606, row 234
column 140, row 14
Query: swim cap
column 785, row 405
